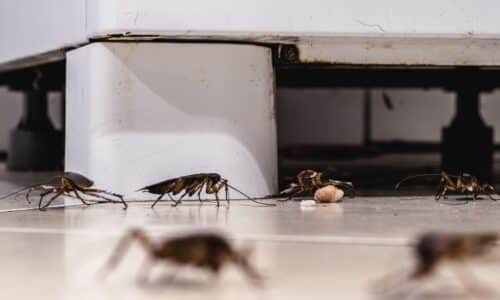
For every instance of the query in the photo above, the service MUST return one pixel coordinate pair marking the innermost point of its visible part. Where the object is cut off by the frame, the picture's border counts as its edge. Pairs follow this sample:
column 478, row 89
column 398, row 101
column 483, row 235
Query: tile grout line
column 334, row 240
column 36, row 208
column 271, row 238
column 130, row 202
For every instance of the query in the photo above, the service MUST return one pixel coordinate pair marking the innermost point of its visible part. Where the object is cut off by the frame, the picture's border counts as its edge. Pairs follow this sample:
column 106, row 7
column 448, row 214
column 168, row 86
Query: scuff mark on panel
column 272, row 94
column 379, row 27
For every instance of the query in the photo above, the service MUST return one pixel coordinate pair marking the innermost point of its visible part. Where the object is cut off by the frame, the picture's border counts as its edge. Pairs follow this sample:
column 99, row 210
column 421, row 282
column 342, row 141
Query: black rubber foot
column 35, row 151
column 468, row 150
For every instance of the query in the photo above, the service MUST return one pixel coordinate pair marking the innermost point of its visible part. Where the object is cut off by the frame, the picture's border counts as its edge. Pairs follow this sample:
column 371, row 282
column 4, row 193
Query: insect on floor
column 323, row 252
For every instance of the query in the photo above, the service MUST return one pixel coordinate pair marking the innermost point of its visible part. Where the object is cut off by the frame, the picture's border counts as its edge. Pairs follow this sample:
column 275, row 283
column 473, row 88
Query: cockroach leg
column 489, row 194
column 199, row 193
column 159, row 198
column 79, row 197
column 34, row 188
column 44, row 207
column 171, row 198
column 178, row 201
column 28, row 195
column 100, row 194
column 489, row 190
column 226, row 189
column 41, row 198
column 441, row 193
column 145, row 269
column 217, row 198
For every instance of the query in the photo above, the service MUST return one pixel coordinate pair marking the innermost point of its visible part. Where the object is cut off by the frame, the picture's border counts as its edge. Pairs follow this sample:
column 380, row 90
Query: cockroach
column 69, row 182
column 466, row 184
column 310, row 181
column 432, row 249
column 207, row 251
column 211, row 183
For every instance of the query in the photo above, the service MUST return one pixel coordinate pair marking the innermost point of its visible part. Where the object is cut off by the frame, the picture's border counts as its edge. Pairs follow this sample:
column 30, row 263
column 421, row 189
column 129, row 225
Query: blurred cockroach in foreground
column 432, row 249
column 64, row 185
column 204, row 250
column 465, row 184
column 211, row 183
column 310, row 180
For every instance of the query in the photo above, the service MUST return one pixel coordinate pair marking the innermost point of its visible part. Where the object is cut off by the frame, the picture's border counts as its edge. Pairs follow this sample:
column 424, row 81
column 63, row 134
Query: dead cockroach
column 310, row 180
column 66, row 184
column 204, row 250
column 465, row 184
column 211, row 183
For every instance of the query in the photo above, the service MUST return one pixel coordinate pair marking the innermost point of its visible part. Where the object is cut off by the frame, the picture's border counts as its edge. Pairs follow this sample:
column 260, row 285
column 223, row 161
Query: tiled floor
column 335, row 251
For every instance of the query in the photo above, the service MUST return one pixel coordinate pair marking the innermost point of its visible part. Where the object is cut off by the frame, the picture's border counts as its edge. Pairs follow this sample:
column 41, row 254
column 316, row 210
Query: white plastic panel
column 141, row 113
column 29, row 28
column 465, row 29
column 295, row 18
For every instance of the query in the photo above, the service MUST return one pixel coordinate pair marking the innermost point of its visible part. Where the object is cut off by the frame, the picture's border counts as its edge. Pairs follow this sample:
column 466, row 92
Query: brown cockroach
column 208, row 251
column 465, row 184
column 432, row 249
column 69, row 182
column 211, row 183
column 310, row 180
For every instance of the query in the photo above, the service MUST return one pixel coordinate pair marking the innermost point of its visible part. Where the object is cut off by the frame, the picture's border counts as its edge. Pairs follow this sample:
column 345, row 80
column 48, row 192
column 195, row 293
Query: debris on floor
column 307, row 203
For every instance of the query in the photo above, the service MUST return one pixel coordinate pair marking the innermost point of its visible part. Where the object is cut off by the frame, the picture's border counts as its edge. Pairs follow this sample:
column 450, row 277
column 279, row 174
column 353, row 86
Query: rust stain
column 314, row 60
column 272, row 94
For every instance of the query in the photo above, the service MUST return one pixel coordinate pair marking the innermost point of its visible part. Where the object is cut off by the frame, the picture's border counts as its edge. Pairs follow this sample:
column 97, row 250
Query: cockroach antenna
column 27, row 188
column 417, row 176
column 121, row 248
column 248, row 197
column 15, row 192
